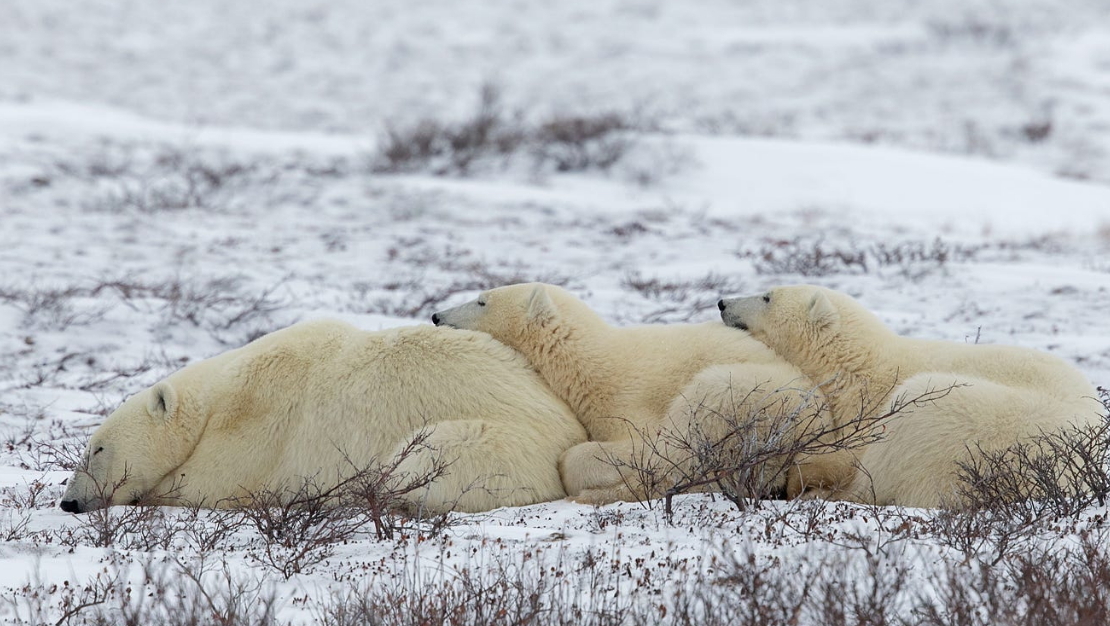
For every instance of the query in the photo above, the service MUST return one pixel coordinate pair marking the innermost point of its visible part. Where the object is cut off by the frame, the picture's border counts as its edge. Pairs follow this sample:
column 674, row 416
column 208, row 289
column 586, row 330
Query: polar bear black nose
column 71, row 506
column 435, row 318
column 721, row 304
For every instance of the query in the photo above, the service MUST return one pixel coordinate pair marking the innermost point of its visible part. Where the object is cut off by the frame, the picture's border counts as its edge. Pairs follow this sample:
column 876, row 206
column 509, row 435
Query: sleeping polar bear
column 318, row 399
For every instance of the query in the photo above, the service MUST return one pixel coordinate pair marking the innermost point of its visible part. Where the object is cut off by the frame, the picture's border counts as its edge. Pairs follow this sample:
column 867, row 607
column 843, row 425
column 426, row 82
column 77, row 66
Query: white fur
column 625, row 383
column 999, row 395
column 319, row 398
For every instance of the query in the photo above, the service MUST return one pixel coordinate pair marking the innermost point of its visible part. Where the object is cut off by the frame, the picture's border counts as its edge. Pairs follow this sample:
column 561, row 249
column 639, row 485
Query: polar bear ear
column 822, row 313
column 163, row 402
column 540, row 305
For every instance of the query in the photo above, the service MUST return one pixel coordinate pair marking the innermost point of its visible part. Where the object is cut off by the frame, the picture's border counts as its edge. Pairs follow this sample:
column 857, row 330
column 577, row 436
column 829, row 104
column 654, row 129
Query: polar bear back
column 1011, row 365
column 406, row 378
column 659, row 361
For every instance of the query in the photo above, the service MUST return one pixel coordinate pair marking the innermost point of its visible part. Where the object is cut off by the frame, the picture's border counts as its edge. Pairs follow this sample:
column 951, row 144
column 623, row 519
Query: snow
column 956, row 193
column 57, row 119
column 223, row 150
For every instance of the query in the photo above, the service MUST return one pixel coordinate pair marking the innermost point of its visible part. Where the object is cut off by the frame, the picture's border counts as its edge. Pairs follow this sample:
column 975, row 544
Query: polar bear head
column 518, row 315
column 136, row 448
column 800, row 320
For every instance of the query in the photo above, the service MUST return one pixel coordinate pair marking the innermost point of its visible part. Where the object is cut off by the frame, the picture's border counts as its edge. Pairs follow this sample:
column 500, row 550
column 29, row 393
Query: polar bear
column 970, row 398
column 318, row 399
column 644, row 392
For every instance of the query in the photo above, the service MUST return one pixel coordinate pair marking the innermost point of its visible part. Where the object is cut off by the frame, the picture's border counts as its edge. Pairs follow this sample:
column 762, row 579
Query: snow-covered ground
column 176, row 178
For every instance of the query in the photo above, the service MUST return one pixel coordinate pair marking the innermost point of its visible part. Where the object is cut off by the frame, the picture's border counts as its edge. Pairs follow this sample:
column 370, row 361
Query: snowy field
column 178, row 178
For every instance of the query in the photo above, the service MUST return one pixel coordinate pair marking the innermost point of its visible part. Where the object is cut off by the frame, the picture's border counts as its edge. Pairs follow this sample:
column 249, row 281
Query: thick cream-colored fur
column 982, row 396
column 320, row 398
column 627, row 383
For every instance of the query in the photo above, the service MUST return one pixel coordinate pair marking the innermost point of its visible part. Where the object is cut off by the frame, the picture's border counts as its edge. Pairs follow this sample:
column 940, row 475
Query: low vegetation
column 491, row 138
column 811, row 257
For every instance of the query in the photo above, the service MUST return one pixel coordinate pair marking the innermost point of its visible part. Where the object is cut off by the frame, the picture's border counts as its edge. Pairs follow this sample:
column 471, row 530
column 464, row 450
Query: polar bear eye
column 98, row 450
column 767, row 297
column 481, row 302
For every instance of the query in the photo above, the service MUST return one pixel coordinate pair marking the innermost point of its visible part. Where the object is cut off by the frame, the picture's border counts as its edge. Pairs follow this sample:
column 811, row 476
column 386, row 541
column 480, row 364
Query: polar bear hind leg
column 481, row 466
column 916, row 462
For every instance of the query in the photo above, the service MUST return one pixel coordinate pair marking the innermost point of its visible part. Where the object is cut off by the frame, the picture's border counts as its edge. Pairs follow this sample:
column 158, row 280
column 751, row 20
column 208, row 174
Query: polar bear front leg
column 606, row 495
column 826, row 476
column 599, row 472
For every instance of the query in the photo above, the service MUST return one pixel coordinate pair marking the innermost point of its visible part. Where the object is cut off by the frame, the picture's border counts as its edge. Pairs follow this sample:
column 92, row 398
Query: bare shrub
column 14, row 524
column 1052, row 586
column 575, row 143
column 747, row 450
column 1038, row 129
column 37, row 602
column 680, row 299
column 20, row 440
column 204, row 529
column 988, row 534
column 452, row 149
column 600, row 519
column 876, row 594
column 807, row 258
column 50, row 372
column 529, row 591
column 749, row 458
column 218, row 305
column 651, row 163
column 169, row 592
column 967, row 28
column 301, row 526
column 765, row 593
column 967, row 594
column 168, row 179
column 139, row 526
column 1007, row 497
column 490, row 136
column 56, row 447
column 35, row 494
column 52, row 308
column 381, row 490
column 738, row 587
column 114, row 374
column 1053, row 475
column 195, row 593
column 814, row 257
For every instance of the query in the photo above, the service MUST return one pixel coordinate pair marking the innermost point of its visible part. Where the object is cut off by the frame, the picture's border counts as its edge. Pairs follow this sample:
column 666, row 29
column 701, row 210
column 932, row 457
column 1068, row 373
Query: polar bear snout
column 82, row 494
column 79, row 503
column 465, row 316
column 731, row 314
column 442, row 318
